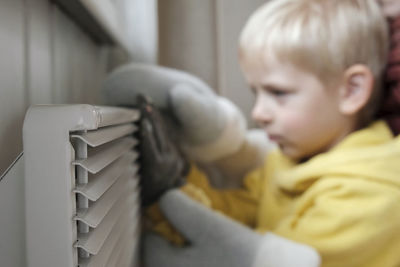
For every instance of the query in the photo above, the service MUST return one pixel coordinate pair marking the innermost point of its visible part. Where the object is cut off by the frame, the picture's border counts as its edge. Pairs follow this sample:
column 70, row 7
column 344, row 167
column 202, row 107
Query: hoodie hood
column 371, row 153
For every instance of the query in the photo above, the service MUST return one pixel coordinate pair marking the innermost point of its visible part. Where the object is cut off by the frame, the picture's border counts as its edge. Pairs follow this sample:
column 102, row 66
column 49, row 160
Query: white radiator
column 81, row 186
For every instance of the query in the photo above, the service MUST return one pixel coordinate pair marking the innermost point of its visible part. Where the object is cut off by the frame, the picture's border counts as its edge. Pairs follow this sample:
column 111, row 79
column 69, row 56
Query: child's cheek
column 294, row 122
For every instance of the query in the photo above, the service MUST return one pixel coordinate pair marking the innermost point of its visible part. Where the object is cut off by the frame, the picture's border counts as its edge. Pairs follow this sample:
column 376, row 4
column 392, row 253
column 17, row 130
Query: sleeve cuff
column 282, row 252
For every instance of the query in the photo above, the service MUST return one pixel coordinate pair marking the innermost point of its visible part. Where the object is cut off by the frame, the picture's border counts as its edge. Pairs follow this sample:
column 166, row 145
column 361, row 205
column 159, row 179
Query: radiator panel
column 82, row 193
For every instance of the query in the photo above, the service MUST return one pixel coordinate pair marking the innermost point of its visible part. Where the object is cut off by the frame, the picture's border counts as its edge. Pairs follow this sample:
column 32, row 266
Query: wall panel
column 13, row 99
column 13, row 103
column 91, row 78
column 62, row 50
column 12, row 206
column 39, row 68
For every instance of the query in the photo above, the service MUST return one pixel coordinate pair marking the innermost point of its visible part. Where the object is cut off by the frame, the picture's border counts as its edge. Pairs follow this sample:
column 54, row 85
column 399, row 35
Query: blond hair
column 324, row 37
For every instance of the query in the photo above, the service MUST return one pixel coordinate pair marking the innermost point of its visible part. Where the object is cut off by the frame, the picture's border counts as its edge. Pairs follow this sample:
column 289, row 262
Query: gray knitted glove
column 208, row 127
column 217, row 241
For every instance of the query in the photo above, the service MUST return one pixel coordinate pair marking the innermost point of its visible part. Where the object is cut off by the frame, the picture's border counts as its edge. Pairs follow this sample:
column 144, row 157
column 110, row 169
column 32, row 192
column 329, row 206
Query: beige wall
column 187, row 37
column 201, row 37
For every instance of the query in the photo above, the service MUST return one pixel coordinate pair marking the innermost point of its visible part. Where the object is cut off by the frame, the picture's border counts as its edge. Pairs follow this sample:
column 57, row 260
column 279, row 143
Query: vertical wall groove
column 26, row 35
column 52, row 51
column 219, row 40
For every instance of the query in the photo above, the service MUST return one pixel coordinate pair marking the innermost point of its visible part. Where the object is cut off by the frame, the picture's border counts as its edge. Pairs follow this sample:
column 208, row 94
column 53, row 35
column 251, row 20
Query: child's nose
column 262, row 112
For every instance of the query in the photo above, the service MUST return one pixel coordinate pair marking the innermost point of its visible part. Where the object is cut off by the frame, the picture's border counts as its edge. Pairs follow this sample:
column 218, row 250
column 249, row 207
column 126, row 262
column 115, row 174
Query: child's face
column 296, row 110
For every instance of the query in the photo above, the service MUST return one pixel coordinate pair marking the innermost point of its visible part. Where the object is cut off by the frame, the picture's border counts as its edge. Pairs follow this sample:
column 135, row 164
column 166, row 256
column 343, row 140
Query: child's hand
column 391, row 8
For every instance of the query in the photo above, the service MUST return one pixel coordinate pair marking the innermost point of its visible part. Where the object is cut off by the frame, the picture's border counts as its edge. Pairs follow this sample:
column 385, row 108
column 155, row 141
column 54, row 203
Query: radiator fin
column 118, row 250
column 93, row 241
column 99, row 209
column 99, row 137
column 102, row 181
column 127, row 254
column 101, row 258
column 105, row 156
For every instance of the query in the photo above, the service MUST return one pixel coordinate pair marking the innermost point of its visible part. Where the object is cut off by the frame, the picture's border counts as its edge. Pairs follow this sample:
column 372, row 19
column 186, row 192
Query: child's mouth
column 274, row 138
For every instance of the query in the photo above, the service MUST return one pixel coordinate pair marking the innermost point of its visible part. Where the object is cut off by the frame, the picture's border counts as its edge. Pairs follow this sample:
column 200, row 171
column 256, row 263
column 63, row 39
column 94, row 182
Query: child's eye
column 278, row 92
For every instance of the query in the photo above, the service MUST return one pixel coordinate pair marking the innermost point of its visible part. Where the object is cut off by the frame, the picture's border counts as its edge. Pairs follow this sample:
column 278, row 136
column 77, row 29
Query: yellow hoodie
column 345, row 203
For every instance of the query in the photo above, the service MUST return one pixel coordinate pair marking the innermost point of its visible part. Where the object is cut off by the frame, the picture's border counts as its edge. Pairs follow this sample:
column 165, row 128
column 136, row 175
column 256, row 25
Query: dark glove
column 162, row 166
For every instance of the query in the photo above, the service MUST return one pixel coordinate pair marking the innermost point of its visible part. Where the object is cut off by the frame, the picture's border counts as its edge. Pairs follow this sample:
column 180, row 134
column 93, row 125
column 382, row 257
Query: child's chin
column 291, row 153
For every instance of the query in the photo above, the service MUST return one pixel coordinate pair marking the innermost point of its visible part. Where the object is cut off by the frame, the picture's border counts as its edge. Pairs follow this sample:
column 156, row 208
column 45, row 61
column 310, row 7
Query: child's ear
column 356, row 89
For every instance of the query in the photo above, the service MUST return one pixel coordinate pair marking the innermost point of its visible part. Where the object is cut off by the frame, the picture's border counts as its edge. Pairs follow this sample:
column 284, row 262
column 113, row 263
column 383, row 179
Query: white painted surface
column 12, row 219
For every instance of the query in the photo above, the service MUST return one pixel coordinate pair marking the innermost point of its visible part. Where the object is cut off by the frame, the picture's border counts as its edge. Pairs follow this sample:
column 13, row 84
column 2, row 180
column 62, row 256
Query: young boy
column 334, row 182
